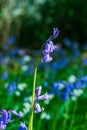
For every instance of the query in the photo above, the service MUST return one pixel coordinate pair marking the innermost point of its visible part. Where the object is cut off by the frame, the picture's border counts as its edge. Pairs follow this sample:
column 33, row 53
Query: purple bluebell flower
column 49, row 47
column 38, row 91
column 67, row 90
column 69, row 87
column 39, row 97
column 38, row 108
column 46, row 58
column 5, row 118
column 43, row 97
column 15, row 113
column 22, row 126
column 55, row 33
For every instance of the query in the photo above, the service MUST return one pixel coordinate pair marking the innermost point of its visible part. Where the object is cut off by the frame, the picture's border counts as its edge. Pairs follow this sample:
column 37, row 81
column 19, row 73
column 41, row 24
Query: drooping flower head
column 49, row 47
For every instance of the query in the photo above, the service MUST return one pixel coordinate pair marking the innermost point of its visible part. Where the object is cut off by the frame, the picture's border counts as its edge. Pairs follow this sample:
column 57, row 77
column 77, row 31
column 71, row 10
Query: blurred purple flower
column 22, row 126
column 5, row 118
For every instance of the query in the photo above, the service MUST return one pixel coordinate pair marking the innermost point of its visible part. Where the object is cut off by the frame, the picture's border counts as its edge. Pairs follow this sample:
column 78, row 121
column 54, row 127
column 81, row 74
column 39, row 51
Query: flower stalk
column 49, row 48
column 33, row 95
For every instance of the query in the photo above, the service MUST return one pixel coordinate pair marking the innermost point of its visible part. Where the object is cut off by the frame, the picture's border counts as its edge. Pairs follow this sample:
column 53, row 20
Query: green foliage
column 29, row 19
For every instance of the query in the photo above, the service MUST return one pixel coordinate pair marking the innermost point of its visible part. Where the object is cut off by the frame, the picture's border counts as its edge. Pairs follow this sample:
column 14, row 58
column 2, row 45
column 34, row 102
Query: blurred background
column 31, row 21
column 24, row 26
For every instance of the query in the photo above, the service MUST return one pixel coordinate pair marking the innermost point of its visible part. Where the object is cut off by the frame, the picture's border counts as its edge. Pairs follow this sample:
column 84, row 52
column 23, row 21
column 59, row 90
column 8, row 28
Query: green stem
column 66, row 114
column 74, row 110
column 30, row 124
column 33, row 95
column 56, row 116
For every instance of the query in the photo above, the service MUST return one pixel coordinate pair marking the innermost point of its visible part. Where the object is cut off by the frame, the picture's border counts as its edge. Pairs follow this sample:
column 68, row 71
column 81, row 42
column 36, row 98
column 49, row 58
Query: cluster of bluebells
column 68, row 89
column 6, row 117
column 49, row 47
column 39, row 97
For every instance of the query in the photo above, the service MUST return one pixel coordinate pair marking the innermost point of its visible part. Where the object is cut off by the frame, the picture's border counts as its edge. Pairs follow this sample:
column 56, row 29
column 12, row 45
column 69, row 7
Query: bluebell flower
column 22, row 126
column 15, row 113
column 49, row 47
column 38, row 108
column 46, row 58
column 38, row 91
column 67, row 90
column 5, row 118
column 55, row 34
column 69, row 87
column 38, row 97
column 42, row 97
